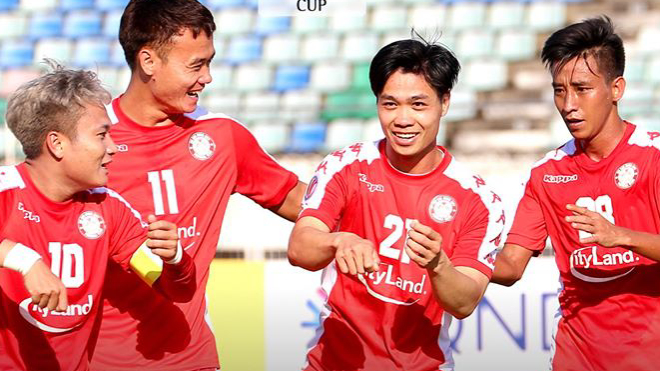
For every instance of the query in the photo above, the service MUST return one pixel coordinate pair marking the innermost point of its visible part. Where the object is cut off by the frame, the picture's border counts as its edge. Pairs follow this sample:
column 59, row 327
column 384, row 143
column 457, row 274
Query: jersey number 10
column 63, row 257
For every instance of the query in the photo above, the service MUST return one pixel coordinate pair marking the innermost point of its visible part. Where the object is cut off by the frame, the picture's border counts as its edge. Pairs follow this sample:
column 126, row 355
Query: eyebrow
column 201, row 60
column 410, row 99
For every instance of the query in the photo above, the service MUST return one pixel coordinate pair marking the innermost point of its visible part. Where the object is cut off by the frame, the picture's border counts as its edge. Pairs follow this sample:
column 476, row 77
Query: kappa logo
column 27, row 214
column 91, row 225
column 559, row 179
column 371, row 186
column 201, row 146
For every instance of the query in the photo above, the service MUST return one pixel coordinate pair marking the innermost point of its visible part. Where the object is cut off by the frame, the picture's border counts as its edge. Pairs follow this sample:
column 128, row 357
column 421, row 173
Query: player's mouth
column 573, row 123
column 193, row 94
column 404, row 138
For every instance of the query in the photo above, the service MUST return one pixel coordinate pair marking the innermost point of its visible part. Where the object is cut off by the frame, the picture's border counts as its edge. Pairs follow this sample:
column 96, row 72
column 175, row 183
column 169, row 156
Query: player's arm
column 607, row 234
column 44, row 287
column 290, row 207
column 457, row 289
column 312, row 246
column 510, row 264
column 162, row 263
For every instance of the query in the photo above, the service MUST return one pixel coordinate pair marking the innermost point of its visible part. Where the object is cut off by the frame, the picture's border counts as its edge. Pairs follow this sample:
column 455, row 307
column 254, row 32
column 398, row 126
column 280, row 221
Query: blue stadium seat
column 67, row 5
column 111, row 24
column 111, row 4
column 8, row 4
column 271, row 25
column 291, row 78
column 45, row 25
column 91, row 52
column 243, row 49
column 307, row 137
column 16, row 53
column 218, row 4
column 117, row 57
column 82, row 24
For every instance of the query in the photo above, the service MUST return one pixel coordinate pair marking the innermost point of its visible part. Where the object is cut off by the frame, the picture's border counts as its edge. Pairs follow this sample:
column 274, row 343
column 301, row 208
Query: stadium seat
column 427, row 18
column 111, row 24
column 652, row 73
column 111, row 4
column 349, row 104
column 272, row 136
column 482, row 75
column 117, row 57
column 468, row 15
column 222, row 75
column 387, row 18
column 361, row 78
column 253, row 77
column 506, row 14
column 45, row 25
column 109, row 76
column 6, row 5
column 260, row 106
column 330, row 76
column 474, row 44
column 82, row 24
column 647, row 39
column 37, row 5
column 546, row 15
column 320, row 47
column 307, row 137
column 516, row 45
column 301, row 105
column 345, row 23
column 271, row 25
column 14, row 77
column 635, row 66
column 638, row 99
column 15, row 53
column 342, row 133
column 226, row 103
column 243, row 49
column 463, row 105
column 291, row 78
column 58, row 49
column 359, row 46
column 281, row 48
column 304, row 25
column 68, row 5
column 219, row 4
column 91, row 52
column 234, row 21
column 12, row 25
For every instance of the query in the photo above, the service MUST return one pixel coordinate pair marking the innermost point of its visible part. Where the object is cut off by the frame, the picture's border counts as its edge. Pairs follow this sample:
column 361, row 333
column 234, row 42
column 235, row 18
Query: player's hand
column 423, row 246
column 45, row 288
column 162, row 238
column 355, row 255
column 602, row 231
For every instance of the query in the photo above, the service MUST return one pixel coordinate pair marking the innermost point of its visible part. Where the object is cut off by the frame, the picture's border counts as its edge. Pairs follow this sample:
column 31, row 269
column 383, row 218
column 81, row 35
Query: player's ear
column 618, row 87
column 147, row 60
column 444, row 102
column 54, row 144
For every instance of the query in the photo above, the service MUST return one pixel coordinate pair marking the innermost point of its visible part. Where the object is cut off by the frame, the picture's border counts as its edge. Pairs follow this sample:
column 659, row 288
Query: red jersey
column 183, row 173
column 390, row 320
column 610, row 299
column 75, row 238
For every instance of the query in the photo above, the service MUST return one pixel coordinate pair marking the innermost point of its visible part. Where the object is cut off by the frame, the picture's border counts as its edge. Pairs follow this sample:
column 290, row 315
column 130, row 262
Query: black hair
column 595, row 37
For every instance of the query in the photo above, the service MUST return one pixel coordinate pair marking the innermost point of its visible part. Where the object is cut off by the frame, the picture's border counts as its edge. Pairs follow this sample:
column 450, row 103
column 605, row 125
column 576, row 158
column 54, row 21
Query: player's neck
column 139, row 104
column 422, row 163
column 50, row 181
column 604, row 143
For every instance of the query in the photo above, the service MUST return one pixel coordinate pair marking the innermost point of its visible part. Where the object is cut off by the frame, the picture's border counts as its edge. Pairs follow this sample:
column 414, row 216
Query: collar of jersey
column 124, row 119
column 446, row 159
column 31, row 187
column 587, row 163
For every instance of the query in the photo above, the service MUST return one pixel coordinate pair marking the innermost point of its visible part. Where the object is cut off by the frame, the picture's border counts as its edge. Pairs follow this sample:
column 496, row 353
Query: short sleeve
column 327, row 192
column 528, row 228
column 259, row 176
column 128, row 231
column 480, row 235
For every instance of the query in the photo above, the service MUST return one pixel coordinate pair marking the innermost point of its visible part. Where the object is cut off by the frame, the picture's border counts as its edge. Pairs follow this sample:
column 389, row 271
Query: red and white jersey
column 610, row 297
column 389, row 320
column 75, row 238
column 183, row 173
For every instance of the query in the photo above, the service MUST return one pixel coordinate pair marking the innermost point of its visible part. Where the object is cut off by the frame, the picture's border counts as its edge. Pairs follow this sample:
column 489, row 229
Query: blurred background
column 301, row 85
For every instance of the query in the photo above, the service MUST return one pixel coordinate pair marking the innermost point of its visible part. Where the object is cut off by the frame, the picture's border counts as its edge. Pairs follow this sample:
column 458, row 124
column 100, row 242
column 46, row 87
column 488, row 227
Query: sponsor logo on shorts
column 201, row 146
column 626, row 175
column 559, row 179
column 443, row 208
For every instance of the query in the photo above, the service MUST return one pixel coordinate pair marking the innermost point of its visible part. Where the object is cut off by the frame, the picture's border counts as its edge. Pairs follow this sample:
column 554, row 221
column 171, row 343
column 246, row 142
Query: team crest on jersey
column 626, row 175
column 311, row 187
column 201, row 146
column 91, row 225
column 443, row 208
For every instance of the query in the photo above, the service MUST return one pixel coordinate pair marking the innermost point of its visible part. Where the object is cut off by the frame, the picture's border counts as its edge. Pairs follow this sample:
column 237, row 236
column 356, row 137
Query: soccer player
column 406, row 234
column 181, row 163
column 597, row 198
column 59, row 227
